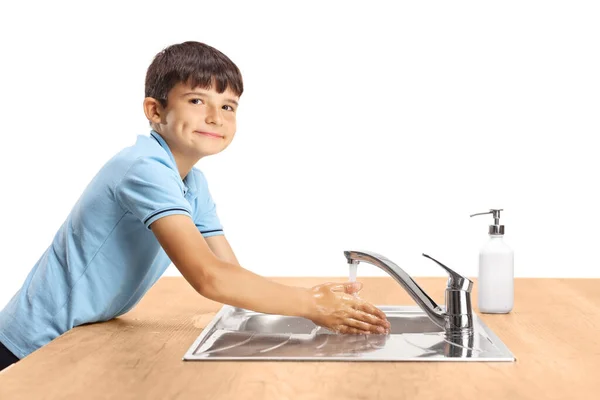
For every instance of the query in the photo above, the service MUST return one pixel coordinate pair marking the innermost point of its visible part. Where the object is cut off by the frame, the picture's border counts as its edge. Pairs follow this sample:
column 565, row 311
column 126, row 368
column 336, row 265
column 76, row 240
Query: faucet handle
column 456, row 280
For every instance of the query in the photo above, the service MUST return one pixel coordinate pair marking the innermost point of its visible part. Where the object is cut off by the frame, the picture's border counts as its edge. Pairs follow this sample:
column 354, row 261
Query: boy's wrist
column 307, row 303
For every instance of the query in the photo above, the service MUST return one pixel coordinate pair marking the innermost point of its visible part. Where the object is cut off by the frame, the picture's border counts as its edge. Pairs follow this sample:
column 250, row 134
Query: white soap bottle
column 495, row 294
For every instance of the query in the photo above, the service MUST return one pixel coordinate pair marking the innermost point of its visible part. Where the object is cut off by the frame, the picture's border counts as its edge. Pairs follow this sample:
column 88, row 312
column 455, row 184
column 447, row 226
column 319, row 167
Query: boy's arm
column 221, row 248
column 330, row 305
column 220, row 279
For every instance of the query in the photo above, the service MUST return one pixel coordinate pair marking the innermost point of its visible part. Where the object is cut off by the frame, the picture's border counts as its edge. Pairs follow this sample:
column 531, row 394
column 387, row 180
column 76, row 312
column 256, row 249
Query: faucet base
column 459, row 324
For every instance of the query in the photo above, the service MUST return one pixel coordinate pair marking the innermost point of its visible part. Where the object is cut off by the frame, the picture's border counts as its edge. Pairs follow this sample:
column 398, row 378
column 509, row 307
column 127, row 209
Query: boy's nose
column 213, row 116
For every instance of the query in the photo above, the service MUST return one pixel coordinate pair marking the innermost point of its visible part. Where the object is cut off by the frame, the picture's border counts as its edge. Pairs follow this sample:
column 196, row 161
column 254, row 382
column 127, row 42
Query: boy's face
column 196, row 122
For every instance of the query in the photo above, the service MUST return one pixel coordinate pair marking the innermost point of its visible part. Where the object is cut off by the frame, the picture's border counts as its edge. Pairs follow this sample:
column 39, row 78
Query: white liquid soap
column 495, row 294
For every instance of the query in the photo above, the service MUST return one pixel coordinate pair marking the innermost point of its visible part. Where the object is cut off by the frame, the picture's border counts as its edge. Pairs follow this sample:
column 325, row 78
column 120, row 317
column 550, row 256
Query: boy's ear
column 153, row 110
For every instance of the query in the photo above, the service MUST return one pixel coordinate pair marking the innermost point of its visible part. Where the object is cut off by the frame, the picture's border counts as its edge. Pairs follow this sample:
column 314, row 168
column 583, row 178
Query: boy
column 147, row 207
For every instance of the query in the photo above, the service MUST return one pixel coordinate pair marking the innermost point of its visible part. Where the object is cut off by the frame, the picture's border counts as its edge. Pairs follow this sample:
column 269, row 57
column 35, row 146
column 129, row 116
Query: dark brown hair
column 195, row 63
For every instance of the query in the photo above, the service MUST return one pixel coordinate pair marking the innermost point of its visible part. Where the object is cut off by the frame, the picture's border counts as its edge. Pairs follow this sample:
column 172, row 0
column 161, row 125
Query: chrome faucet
column 456, row 319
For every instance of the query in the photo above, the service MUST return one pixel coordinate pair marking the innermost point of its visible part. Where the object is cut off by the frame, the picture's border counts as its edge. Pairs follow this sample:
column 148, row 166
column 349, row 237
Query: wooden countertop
column 553, row 331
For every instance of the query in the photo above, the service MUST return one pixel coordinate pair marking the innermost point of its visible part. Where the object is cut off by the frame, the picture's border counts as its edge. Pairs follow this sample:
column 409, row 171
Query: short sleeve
column 206, row 219
column 151, row 190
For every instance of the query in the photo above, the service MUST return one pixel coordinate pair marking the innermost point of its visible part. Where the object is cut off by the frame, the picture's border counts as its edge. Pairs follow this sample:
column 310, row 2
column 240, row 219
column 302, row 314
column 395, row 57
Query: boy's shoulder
column 144, row 161
column 144, row 151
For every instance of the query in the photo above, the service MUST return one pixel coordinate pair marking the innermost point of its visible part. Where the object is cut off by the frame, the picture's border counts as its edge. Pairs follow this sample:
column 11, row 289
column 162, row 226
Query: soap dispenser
column 495, row 281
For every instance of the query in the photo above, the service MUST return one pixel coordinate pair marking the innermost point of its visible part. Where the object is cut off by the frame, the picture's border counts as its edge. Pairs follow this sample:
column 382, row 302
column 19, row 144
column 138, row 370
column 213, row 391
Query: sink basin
column 239, row 334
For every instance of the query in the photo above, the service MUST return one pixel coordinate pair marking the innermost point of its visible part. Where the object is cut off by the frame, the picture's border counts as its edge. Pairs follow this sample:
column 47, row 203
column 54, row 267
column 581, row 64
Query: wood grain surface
column 553, row 331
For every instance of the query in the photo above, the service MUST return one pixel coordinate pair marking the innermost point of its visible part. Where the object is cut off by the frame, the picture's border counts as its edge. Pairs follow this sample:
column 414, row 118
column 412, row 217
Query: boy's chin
column 208, row 151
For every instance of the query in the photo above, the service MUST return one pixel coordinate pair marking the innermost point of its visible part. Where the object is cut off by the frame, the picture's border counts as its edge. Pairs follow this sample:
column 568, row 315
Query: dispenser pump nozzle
column 495, row 229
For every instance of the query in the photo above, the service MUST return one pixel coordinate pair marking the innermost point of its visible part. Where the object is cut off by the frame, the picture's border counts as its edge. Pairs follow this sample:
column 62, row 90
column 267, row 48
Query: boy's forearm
column 234, row 285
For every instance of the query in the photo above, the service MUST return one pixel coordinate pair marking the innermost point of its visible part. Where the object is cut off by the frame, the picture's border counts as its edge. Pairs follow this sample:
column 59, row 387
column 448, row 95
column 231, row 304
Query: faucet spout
column 456, row 318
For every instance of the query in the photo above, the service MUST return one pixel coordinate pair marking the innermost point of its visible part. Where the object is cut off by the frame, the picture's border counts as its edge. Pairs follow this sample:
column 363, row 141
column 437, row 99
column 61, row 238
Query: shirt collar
column 190, row 180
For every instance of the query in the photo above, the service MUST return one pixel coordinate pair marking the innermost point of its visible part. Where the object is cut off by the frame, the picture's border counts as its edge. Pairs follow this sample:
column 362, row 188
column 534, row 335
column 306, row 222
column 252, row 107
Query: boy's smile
column 196, row 123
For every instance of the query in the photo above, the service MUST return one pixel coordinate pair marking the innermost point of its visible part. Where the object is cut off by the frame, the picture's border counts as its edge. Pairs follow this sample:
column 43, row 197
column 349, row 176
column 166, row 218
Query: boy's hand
column 338, row 310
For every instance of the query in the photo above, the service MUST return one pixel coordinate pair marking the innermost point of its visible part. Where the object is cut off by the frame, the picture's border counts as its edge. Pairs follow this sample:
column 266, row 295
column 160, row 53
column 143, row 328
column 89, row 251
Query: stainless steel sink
column 239, row 334
column 429, row 332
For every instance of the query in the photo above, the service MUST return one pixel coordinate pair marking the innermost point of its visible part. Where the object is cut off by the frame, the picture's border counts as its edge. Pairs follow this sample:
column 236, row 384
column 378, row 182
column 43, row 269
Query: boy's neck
column 184, row 165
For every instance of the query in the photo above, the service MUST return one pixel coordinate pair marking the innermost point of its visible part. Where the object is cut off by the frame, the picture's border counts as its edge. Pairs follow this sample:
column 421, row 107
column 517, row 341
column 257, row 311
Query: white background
column 376, row 126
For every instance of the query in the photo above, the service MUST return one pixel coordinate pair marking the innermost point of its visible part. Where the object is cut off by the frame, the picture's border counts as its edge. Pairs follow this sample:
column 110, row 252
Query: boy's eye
column 199, row 101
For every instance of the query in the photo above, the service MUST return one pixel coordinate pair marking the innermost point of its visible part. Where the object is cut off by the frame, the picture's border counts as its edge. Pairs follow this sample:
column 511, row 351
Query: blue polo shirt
column 104, row 257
